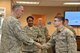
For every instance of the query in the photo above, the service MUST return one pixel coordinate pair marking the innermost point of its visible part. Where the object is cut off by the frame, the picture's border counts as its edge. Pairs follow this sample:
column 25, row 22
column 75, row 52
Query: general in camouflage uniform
column 34, row 33
column 62, row 38
column 12, row 34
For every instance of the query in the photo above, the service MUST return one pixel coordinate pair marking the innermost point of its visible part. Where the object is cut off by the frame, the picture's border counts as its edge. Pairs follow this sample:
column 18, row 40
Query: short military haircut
column 67, row 20
column 29, row 17
column 15, row 6
column 60, row 18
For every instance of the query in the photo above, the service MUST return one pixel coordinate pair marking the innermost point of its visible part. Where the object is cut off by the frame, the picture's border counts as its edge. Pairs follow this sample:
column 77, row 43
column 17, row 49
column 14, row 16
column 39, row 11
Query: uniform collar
column 32, row 26
column 40, row 26
column 60, row 28
column 13, row 15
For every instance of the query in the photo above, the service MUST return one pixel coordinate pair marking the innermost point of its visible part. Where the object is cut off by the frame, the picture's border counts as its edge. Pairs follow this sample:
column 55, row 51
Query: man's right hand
column 38, row 45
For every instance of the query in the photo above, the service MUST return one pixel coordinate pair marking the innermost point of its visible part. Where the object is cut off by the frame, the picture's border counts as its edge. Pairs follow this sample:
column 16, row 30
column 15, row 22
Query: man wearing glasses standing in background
column 62, row 38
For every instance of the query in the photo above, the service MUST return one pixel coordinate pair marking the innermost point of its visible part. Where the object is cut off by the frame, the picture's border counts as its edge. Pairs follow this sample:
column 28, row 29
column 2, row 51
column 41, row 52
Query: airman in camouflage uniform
column 62, row 38
column 12, row 34
column 69, row 27
column 34, row 33
column 44, row 32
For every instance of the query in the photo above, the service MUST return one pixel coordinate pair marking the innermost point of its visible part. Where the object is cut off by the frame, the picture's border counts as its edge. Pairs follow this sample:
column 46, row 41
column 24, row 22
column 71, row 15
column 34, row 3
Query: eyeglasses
column 56, row 20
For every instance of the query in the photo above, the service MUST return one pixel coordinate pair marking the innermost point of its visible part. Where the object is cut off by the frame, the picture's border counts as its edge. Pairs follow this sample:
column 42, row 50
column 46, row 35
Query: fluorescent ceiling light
column 22, row 2
column 72, row 3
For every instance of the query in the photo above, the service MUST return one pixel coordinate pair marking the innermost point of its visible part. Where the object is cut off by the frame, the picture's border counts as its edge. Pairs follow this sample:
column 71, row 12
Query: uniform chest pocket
column 61, row 40
column 35, row 32
column 62, row 36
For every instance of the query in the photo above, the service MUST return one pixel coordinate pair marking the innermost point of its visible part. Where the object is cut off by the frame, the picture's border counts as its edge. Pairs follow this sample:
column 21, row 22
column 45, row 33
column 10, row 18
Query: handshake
column 38, row 45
